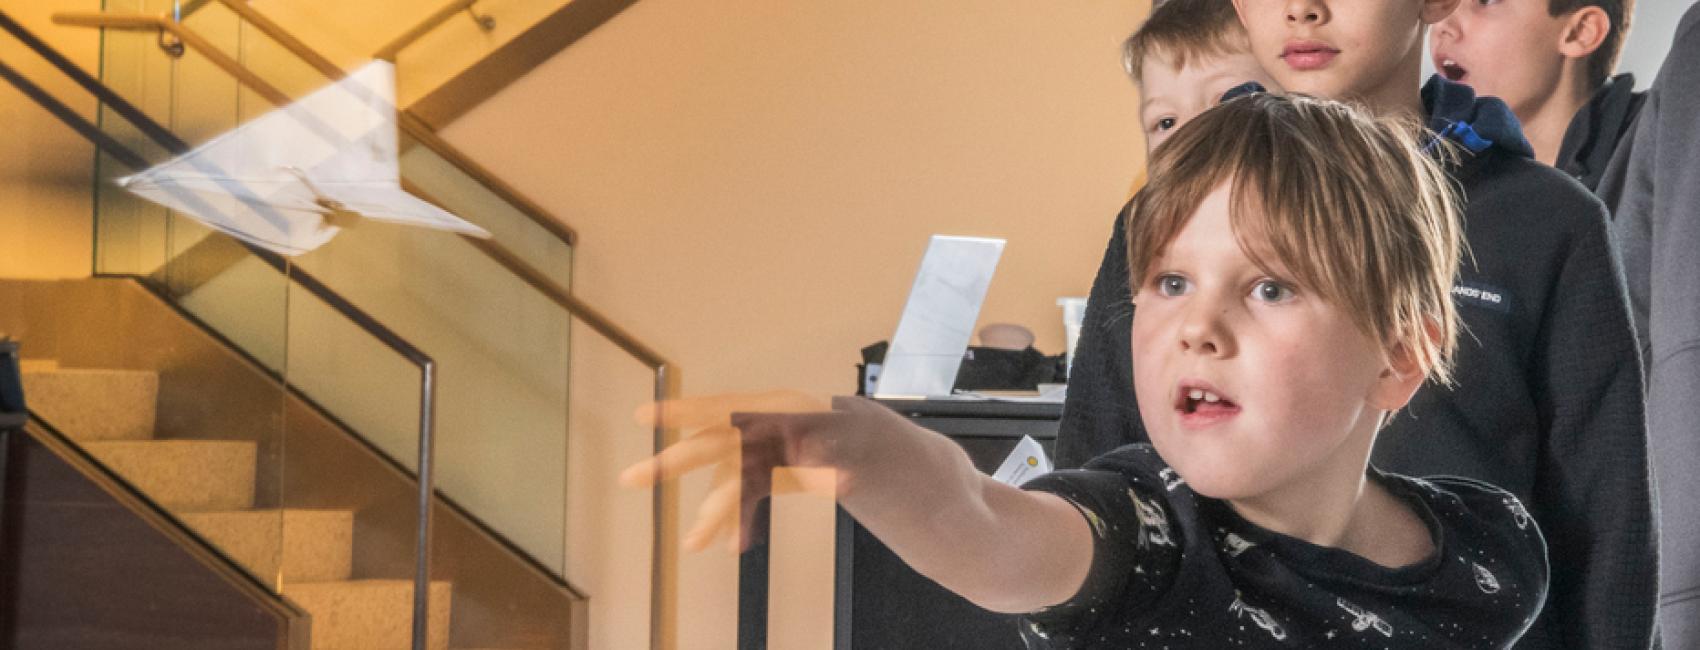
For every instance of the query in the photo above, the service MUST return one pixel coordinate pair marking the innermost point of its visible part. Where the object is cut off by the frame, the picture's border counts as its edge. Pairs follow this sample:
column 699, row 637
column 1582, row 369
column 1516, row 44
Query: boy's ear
column 1584, row 32
column 1399, row 381
column 1433, row 11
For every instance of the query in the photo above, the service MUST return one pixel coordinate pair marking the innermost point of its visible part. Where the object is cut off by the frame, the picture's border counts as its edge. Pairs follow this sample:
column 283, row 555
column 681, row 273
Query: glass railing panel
column 132, row 231
column 345, row 379
column 454, row 190
column 501, row 350
column 262, row 56
column 189, row 95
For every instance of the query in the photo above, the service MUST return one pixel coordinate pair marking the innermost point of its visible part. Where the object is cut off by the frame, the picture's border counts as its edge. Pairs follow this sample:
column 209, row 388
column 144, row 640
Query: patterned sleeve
column 1136, row 546
column 1508, row 548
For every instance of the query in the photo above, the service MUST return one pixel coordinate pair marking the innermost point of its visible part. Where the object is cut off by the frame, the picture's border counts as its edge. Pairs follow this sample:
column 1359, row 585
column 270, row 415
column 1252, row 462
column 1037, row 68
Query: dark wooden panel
column 885, row 604
column 82, row 570
column 879, row 602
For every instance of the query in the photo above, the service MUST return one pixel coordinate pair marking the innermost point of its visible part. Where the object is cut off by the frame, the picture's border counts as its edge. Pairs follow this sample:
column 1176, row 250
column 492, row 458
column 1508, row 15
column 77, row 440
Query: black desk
column 879, row 602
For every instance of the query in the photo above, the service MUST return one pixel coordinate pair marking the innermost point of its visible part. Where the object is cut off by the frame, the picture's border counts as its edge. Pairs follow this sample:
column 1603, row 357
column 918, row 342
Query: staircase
column 209, row 486
column 171, row 372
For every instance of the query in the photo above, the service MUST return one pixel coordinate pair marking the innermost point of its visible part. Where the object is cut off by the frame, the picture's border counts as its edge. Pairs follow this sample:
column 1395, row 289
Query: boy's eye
column 1164, row 124
column 1171, row 285
column 1271, row 291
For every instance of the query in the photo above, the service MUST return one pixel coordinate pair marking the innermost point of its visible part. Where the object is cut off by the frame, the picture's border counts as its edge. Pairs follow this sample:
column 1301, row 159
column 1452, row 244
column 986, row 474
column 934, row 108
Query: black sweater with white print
column 1174, row 569
column 1549, row 398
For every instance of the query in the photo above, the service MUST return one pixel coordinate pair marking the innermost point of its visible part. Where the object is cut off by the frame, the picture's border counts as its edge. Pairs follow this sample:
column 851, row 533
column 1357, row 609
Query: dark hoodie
column 1598, row 126
column 1548, row 402
column 1653, row 188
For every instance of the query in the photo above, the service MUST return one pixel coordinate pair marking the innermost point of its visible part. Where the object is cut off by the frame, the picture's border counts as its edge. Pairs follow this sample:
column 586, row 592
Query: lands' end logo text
column 1482, row 295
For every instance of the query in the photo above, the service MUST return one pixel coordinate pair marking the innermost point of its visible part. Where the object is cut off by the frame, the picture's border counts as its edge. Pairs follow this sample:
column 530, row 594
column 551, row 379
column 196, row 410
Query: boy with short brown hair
column 1183, row 59
column 1269, row 360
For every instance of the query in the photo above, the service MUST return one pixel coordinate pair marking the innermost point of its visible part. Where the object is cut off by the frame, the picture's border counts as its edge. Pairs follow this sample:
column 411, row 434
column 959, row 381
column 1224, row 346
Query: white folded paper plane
column 288, row 180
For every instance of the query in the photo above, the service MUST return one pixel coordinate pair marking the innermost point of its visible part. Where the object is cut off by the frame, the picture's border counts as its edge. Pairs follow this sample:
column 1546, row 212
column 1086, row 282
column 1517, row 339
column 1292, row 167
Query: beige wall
column 754, row 182
column 45, row 206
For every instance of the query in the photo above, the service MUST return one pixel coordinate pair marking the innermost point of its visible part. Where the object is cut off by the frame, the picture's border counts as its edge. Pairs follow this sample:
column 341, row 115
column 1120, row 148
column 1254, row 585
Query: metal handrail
column 392, row 49
column 667, row 376
column 190, row 7
column 187, row 36
column 313, row 286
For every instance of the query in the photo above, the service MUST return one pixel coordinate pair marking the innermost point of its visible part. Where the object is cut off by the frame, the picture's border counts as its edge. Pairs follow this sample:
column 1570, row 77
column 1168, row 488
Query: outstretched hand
column 745, row 438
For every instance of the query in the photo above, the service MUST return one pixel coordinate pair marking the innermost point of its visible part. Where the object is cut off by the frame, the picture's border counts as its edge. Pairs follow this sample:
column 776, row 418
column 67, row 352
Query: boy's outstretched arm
column 1000, row 547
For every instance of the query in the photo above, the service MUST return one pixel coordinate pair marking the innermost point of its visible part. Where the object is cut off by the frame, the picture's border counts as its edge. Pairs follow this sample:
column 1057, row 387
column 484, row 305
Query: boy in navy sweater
column 1548, row 402
column 1294, row 292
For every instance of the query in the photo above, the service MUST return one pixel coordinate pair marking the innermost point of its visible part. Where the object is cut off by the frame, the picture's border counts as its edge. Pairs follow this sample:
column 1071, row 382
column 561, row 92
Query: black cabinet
column 880, row 603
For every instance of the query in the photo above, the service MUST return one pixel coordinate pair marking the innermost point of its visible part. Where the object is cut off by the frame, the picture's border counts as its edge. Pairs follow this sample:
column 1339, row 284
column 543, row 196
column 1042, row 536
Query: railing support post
column 422, row 563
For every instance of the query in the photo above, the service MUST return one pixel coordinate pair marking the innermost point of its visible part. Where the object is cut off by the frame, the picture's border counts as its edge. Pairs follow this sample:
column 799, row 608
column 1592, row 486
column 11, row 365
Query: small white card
column 1025, row 463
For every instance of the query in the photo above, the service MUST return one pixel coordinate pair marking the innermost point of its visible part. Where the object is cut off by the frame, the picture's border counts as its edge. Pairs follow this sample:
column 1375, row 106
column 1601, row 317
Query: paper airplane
column 291, row 179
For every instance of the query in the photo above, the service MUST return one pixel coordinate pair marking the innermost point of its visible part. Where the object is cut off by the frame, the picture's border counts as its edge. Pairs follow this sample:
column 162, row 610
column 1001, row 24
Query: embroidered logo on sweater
column 1482, row 295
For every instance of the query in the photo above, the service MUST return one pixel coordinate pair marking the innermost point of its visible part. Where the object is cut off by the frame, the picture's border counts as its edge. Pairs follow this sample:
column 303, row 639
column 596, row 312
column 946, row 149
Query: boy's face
column 1340, row 49
column 1290, row 387
column 1505, row 48
column 1172, row 97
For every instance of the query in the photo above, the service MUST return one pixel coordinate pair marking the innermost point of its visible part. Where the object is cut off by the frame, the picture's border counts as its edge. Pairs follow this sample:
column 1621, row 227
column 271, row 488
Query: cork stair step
column 304, row 545
column 184, row 475
column 369, row 614
column 90, row 404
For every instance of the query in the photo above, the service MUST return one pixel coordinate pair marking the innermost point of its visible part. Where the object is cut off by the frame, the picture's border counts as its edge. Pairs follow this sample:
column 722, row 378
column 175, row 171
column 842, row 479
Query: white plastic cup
column 1074, row 312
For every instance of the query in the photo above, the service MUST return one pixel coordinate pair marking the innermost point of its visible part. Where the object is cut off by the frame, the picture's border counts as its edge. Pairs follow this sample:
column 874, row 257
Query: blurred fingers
column 718, row 512
column 709, row 410
column 710, row 445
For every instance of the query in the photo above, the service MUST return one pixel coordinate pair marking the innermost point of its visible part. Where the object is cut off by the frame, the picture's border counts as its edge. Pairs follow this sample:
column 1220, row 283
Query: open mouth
column 1198, row 400
column 1450, row 69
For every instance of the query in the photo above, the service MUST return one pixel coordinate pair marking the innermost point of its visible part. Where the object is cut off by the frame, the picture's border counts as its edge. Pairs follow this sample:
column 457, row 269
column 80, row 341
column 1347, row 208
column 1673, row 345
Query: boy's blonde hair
column 1348, row 205
column 1184, row 29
